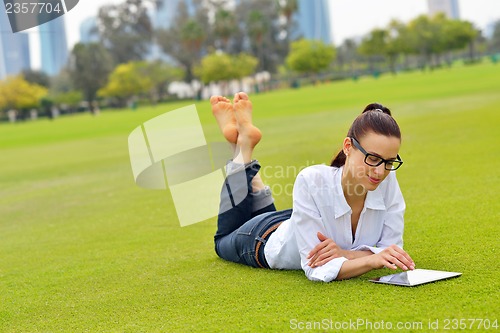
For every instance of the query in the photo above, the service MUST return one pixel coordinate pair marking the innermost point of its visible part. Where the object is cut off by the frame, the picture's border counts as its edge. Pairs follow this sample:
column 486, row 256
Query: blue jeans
column 242, row 226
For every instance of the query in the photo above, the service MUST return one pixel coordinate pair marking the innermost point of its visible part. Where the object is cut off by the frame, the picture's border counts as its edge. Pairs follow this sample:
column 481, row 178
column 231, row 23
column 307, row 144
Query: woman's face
column 363, row 177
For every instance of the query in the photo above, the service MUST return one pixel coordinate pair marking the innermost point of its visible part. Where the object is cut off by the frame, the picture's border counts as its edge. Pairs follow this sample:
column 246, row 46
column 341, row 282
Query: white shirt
column 319, row 205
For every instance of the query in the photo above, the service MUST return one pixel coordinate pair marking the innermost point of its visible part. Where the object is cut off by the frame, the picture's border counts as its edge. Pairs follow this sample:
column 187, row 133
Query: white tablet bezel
column 415, row 278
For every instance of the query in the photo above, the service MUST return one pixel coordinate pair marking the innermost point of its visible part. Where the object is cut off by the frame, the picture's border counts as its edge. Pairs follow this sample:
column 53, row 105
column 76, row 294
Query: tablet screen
column 415, row 277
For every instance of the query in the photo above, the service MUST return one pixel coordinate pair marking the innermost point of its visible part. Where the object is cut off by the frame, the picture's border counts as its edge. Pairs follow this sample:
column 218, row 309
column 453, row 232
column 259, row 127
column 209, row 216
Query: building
column 449, row 7
column 54, row 45
column 313, row 19
column 489, row 29
column 88, row 31
column 14, row 49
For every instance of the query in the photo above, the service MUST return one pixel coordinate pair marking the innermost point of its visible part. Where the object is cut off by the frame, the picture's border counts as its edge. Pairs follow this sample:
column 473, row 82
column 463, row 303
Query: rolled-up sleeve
column 307, row 221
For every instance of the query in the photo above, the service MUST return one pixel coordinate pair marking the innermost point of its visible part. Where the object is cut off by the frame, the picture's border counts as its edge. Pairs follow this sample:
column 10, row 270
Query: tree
column 129, row 80
column 125, row 30
column 225, row 27
column 437, row 35
column 215, row 67
column 185, row 39
column 161, row 75
column 347, row 55
column 287, row 8
column 18, row 94
column 38, row 77
column 89, row 68
column 400, row 41
column 222, row 67
column 257, row 28
column 310, row 56
column 244, row 65
column 459, row 34
column 428, row 38
column 62, row 92
column 374, row 46
column 261, row 22
column 422, row 37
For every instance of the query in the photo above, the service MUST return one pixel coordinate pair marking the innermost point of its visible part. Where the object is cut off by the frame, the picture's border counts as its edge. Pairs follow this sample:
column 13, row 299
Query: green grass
column 82, row 248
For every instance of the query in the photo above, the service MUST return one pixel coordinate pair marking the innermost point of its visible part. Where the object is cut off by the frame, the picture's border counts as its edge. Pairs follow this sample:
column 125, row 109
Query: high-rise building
column 54, row 46
column 449, row 7
column 313, row 18
column 88, row 31
column 14, row 49
column 489, row 29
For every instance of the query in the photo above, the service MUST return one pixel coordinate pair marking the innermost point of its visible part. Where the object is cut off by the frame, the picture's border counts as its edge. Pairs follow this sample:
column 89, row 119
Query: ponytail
column 374, row 118
column 339, row 160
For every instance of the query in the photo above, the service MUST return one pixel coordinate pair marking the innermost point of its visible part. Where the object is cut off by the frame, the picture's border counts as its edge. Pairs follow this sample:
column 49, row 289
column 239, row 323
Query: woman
column 347, row 218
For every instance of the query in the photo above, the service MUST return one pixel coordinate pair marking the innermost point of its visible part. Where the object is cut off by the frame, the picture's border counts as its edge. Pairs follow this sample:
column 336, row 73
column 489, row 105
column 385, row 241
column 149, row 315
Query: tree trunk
column 471, row 51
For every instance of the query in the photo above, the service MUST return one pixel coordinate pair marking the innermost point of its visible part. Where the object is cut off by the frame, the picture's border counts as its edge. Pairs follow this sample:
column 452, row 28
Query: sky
column 349, row 18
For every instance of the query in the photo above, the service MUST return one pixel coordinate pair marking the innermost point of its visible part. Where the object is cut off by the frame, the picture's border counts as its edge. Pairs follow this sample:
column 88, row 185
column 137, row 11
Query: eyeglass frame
column 382, row 160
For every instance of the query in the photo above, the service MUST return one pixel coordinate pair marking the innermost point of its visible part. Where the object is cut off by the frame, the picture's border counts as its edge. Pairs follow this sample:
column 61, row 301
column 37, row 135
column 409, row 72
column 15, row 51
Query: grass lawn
column 82, row 248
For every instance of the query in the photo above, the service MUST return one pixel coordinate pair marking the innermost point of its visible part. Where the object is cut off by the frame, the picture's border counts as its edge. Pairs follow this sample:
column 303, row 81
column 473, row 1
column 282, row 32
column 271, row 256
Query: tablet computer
column 415, row 277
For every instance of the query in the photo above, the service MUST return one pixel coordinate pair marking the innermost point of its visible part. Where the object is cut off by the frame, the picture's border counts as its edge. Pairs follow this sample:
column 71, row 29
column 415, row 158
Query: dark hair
column 375, row 118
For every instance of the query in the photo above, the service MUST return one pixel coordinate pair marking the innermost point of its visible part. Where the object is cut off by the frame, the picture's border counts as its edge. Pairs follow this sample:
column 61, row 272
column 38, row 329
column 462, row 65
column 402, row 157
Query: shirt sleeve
column 392, row 232
column 308, row 222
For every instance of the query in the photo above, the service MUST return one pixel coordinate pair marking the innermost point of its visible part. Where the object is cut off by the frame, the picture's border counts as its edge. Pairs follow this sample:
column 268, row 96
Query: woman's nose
column 379, row 170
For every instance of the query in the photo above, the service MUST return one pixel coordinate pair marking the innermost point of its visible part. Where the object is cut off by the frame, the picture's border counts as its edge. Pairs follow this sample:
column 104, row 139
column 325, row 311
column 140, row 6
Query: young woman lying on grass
column 347, row 218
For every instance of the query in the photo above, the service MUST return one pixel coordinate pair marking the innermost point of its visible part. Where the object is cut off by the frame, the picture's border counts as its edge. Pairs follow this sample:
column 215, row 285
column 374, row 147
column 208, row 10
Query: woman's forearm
column 392, row 257
column 355, row 267
column 357, row 254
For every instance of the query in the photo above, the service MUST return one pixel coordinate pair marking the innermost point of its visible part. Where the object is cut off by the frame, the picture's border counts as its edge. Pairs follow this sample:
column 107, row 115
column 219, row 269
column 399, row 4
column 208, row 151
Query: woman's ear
column 347, row 146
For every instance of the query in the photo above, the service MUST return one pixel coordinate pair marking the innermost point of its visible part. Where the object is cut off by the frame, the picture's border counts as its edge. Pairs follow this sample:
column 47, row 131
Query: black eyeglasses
column 374, row 160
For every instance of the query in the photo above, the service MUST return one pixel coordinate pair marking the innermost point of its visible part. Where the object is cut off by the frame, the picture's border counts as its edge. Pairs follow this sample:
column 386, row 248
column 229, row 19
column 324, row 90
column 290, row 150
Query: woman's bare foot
column 222, row 109
column 249, row 135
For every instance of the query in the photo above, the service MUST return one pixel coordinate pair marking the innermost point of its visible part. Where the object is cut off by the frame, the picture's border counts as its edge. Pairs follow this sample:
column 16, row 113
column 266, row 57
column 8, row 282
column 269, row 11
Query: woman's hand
column 393, row 257
column 325, row 251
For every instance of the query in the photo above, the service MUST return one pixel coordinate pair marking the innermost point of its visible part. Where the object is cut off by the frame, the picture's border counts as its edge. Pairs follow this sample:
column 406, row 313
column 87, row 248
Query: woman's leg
column 243, row 194
column 248, row 137
column 224, row 113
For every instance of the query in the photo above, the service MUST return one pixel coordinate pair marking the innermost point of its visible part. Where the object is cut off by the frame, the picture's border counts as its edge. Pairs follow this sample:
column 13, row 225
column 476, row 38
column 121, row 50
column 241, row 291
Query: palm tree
column 287, row 9
column 257, row 27
column 225, row 26
column 184, row 41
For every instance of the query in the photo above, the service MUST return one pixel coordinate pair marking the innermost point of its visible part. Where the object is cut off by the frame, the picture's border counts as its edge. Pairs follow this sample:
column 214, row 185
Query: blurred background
column 142, row 52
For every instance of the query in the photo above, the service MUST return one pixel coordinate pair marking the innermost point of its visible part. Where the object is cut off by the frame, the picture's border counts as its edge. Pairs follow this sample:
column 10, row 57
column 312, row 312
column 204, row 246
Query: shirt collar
column 374, row 199
column 339, row 202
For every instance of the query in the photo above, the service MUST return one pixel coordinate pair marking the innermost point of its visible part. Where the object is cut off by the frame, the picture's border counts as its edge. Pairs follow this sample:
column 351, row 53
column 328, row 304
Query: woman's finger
column 402, row 261
column 315, row 250
column 409, row 260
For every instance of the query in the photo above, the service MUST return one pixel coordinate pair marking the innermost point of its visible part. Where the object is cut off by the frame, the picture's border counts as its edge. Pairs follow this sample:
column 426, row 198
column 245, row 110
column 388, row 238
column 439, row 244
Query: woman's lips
column 374, row 180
